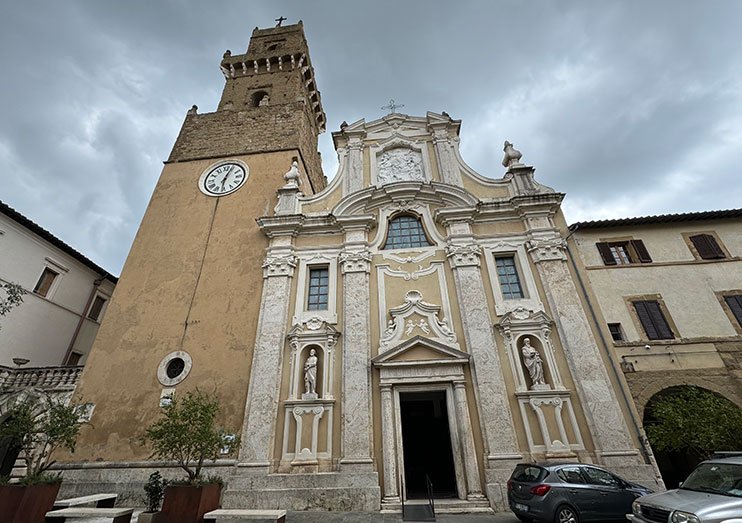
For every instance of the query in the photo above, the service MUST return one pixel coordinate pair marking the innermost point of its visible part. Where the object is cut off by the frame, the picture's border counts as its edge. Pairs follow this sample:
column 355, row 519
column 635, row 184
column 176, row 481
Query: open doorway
column 426, row 441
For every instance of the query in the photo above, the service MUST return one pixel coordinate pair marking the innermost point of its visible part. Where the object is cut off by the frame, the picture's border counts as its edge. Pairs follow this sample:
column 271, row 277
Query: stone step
column 444, row 506
column 242, row 481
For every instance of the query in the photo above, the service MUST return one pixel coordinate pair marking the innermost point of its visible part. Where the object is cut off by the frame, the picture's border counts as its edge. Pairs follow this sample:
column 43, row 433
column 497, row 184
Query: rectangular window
column 616, row 332
column 95, row 309
column 507, row 273
column 74, row 358
column 45, row 282
column 707, row 247
column 318, row 288
column 735, row 305
column 623, row 252
column 653, row 320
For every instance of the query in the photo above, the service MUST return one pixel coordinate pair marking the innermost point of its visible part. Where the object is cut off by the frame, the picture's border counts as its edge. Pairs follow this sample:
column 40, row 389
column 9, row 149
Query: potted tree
column 36, row 426
column 187, row 434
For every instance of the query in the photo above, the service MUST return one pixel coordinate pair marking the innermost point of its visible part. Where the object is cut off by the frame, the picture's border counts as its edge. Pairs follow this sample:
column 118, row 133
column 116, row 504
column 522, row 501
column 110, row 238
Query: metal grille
column 318, row 289
column 655, row 514
column 405, row 231
column 508, row 276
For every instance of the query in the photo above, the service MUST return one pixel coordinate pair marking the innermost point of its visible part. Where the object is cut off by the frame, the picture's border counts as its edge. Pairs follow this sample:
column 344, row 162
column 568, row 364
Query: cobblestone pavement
column 367, row 517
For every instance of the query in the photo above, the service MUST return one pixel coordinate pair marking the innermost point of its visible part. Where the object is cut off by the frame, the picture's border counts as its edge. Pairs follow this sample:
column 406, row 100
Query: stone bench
column 100, row 500
column 234, row 515
column 117, row 515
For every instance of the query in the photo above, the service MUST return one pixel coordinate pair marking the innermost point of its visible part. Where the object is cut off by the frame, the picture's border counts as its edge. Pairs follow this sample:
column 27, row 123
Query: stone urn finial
column 293, row 177
column 512, row 156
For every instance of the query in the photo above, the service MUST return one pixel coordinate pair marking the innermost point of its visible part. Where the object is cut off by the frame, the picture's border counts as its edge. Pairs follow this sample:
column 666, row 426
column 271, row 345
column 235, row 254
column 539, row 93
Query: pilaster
column 356, row 398
column 473, row 484
column 261, row 408
column 391, row 488
column 448, row 165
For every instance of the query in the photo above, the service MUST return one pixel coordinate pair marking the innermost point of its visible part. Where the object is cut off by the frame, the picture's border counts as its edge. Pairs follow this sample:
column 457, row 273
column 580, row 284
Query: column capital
column 547, row 249
column 463, row 255
column 355, row 261
column 282, row 265
column 385, row 387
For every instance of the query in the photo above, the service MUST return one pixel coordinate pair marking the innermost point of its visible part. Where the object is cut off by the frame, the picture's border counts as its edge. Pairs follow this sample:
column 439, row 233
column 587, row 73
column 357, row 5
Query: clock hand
column 227, row 175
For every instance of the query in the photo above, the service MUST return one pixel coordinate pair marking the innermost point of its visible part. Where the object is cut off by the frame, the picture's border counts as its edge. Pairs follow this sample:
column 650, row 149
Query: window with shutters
column 96, row 308
column 45, row 282
column 507, row 273
column 405, row 231
column 625, row 252
column 652, row 319
column 318, row 288
column 706, row 246
column 734, row 302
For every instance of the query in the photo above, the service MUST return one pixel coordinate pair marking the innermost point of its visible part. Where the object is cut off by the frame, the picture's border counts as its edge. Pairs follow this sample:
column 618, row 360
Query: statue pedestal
column 537, row 386
column 309, row 396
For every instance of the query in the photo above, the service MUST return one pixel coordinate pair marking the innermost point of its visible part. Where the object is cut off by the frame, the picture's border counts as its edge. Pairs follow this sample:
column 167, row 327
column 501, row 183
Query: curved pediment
column 371, row 198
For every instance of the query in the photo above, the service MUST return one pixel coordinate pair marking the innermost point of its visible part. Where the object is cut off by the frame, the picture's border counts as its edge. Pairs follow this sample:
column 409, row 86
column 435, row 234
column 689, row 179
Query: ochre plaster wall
column 196, row 259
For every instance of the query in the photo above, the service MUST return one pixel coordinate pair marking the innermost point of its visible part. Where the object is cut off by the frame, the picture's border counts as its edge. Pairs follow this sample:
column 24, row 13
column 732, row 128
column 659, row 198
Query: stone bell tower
column 186, row 311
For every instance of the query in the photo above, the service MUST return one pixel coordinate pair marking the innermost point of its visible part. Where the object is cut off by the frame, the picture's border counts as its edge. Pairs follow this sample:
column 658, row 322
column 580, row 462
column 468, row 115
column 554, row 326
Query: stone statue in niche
column 533, row 363
column 266, row 100
column 399, row 164
column 310, row 376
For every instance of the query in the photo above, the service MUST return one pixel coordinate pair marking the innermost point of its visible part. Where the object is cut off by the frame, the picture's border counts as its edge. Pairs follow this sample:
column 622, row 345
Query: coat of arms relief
column 399, row 164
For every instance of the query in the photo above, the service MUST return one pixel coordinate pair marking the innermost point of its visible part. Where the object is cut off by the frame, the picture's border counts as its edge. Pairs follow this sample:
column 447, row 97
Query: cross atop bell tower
column 270, row 102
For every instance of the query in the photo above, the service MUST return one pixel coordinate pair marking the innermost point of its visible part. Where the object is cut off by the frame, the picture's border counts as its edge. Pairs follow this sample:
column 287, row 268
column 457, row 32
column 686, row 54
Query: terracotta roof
column 660, row 218
column 40, row 231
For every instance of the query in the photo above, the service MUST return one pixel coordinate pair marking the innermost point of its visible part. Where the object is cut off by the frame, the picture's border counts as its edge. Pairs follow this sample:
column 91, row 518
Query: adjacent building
column 666, row 292
column 67, row 296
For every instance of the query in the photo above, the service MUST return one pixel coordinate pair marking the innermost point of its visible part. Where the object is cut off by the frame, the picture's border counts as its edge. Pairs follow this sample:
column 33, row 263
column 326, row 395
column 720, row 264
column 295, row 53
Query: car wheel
column 566, row 514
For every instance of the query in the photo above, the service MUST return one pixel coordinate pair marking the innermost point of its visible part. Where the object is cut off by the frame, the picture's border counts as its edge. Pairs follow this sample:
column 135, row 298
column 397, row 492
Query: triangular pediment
column 420, row 348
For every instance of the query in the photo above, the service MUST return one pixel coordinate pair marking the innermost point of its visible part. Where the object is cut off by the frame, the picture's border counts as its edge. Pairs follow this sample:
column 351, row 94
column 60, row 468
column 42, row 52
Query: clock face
column 223, row 178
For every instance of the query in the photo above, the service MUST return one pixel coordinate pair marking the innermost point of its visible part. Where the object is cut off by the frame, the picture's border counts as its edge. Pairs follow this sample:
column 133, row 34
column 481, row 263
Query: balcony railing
column 46, row 378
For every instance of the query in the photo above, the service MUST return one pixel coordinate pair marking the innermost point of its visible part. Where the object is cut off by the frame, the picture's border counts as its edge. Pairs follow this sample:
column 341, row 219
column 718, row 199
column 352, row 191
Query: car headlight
column 636, row 508
column 684, row 517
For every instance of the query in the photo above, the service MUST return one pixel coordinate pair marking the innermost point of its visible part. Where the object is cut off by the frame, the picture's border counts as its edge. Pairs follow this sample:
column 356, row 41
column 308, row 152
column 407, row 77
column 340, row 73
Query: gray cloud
column 630, row 108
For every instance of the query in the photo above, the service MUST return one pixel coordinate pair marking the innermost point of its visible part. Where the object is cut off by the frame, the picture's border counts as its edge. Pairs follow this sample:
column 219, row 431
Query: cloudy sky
column 631, row 108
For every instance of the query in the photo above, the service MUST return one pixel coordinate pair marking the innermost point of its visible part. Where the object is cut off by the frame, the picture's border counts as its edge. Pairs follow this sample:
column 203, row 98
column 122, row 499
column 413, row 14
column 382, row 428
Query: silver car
column 711, row 494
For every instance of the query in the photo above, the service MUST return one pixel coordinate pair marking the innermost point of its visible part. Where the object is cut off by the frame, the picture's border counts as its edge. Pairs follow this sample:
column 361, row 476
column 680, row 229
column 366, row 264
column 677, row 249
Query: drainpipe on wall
column 634, row 421
column 96, row 284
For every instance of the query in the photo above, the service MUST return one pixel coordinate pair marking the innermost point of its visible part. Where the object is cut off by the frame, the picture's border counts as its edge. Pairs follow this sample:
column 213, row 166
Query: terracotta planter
column 26, row 504
column 187, row 504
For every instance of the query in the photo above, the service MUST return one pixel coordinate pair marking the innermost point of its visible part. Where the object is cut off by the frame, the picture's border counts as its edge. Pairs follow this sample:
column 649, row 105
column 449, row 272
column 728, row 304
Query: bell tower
column 186, row 310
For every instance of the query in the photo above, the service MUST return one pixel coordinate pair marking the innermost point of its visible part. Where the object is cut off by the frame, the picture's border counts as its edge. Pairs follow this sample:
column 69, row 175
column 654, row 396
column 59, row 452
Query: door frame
column 453, row 430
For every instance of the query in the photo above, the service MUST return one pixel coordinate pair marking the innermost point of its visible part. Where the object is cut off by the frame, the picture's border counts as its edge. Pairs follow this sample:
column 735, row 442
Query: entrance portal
column 426, row 442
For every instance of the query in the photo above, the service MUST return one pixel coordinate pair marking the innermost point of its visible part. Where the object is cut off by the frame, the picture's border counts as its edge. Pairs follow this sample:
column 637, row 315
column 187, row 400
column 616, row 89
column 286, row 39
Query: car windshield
column 716, row 478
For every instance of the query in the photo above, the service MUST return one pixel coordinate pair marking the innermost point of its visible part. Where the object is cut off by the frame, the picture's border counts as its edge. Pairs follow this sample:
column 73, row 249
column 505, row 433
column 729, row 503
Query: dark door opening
column 426, row 442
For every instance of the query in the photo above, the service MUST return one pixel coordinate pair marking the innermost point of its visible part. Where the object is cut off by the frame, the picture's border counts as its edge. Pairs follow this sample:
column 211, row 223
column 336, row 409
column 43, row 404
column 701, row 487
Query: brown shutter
column 645, row 319
column 641, row 251
column 652, row 319
column 605, row 253
column 707, row 247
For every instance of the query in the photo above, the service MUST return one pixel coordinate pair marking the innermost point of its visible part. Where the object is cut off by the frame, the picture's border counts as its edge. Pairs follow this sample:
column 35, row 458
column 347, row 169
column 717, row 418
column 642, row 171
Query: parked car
column 711, row 494
column 569, row 493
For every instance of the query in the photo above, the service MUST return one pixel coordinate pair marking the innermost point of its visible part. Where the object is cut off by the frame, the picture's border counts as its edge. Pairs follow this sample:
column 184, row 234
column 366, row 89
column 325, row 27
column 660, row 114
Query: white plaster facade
column 44, row 328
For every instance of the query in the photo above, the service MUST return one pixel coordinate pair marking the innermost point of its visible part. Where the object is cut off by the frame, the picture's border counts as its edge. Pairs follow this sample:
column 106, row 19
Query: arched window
column 405, row 231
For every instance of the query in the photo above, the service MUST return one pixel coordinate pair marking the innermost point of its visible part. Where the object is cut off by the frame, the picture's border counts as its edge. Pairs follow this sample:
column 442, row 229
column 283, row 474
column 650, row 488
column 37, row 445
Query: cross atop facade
column 393, row 106
column 279, row 20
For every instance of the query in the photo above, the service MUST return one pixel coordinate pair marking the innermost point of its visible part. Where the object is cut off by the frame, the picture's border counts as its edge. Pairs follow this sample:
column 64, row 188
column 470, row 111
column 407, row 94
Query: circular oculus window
column 174, row 368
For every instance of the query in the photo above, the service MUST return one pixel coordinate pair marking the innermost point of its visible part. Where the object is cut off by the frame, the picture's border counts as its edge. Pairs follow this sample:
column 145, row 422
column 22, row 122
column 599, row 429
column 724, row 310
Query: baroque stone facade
column 413, row 281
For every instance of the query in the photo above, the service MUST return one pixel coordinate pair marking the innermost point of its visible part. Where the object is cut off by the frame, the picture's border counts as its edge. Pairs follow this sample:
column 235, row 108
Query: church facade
column 413, row 319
